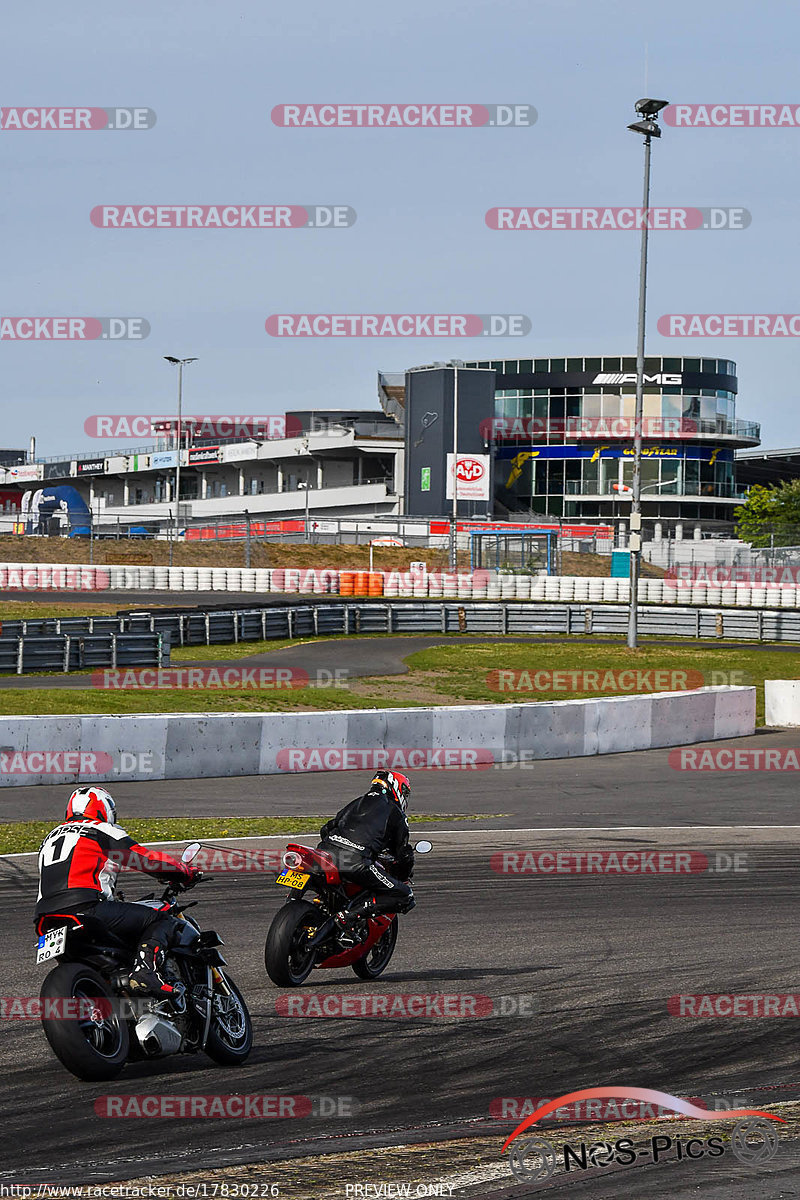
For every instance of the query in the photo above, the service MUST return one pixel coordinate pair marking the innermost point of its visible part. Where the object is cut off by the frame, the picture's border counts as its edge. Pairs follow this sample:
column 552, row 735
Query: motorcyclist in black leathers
column 373, row 824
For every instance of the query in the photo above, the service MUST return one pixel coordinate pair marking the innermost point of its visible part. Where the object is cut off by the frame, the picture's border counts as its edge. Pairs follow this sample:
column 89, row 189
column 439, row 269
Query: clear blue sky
column 213, row 72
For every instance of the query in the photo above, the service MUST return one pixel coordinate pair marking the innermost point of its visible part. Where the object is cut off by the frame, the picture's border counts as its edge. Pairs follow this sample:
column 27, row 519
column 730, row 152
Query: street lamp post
column 181, row 363
column 305, row 448
column 454, row 516
column 457, row 364
column 649, row 127
column 306, row 487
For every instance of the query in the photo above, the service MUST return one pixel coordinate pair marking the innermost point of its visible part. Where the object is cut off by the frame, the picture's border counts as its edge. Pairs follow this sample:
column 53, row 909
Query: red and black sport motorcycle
column 304, row 936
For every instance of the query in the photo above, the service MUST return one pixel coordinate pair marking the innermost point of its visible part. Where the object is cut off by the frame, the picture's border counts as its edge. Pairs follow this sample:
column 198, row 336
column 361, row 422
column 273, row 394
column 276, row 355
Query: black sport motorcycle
column 94, row 1024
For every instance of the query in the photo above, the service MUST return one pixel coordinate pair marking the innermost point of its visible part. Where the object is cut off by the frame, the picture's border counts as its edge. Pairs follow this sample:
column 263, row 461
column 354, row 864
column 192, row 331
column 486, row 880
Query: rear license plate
column 51, row 944
column 293, row 879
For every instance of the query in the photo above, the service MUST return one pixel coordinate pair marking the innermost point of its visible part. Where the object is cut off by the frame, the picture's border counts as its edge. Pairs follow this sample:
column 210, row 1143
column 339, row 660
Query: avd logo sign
column 472, row 475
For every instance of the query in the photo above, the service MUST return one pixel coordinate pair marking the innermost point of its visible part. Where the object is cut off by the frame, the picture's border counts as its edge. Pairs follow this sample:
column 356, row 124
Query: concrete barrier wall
column 36, row 750
column 782, row 702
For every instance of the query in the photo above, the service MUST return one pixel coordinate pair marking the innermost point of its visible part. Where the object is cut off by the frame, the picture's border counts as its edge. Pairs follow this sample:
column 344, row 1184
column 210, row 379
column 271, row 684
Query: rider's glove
column 405, row 864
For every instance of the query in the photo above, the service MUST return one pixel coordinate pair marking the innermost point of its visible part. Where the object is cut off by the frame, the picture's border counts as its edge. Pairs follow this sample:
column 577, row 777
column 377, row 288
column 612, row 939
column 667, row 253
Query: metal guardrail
column 145, row 639
column 78, row 651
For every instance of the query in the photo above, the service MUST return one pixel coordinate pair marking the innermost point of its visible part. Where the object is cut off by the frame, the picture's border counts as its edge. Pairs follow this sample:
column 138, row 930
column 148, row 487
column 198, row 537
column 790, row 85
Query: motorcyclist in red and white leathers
column 79, row 862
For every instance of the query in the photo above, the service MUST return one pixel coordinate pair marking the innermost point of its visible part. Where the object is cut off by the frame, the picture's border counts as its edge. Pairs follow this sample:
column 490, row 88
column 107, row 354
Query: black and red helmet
column 396, row 784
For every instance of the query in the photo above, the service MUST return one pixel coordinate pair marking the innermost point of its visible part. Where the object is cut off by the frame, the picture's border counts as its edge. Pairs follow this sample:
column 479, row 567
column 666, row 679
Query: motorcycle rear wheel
column 288, row 962
column 92, row 1047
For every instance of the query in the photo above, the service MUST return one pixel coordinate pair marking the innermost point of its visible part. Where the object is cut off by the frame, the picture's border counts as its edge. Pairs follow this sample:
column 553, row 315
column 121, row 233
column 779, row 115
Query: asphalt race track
column 639, row 788
column 591, row 960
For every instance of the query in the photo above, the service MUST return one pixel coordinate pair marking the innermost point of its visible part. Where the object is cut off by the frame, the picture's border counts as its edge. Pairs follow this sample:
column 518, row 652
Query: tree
column 771, row 515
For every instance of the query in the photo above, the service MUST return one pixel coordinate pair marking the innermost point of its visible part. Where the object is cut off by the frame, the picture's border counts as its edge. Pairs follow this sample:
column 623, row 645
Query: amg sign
column 615, row 377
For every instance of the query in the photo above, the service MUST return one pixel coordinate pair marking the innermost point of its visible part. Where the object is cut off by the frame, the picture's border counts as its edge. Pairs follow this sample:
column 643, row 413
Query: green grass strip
column 19, row 837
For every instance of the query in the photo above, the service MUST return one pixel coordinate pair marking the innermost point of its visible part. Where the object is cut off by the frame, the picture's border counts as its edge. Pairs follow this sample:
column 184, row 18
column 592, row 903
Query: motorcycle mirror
column 423, row 847
column 190, row 852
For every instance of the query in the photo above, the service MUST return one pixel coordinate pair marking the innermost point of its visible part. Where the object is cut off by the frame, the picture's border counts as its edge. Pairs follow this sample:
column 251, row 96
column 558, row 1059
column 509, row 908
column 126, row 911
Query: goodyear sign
column 708, row 454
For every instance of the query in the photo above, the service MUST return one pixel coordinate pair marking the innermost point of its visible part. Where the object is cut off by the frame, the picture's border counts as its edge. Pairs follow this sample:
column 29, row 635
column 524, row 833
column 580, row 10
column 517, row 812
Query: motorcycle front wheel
column 90, row 1038
column 230, row 1035
column 376, row 960
column 287, row 957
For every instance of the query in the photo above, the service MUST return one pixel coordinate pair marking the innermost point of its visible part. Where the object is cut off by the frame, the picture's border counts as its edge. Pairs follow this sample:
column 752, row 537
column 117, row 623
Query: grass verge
column 21, row 702
column 455, row 672
column 19, row 837
column 181, row 654
column 556, row 671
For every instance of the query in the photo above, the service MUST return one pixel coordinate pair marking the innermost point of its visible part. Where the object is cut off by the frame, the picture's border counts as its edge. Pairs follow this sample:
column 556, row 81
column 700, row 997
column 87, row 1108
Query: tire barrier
column 470, row 737
column 45, row 577
column 477, row 585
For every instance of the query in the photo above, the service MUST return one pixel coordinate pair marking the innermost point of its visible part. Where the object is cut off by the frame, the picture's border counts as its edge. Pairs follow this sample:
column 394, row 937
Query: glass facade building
column 563, row 430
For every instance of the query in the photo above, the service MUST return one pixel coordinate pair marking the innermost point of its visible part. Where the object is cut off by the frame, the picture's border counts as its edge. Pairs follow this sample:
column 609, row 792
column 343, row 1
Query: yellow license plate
column 293, row 879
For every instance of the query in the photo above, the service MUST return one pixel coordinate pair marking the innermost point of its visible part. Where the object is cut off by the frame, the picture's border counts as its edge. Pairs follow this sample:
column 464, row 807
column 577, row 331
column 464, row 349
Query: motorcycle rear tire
column 281, row 946
column 72, row 1046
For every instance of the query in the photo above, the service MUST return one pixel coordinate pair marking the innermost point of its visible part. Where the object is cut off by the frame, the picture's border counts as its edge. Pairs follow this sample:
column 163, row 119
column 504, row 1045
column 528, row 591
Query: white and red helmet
column 396, row 784
column 91, row 804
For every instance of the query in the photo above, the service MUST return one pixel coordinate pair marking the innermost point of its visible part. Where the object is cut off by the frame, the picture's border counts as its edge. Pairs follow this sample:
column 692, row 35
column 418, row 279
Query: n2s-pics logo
column 535, row 1159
